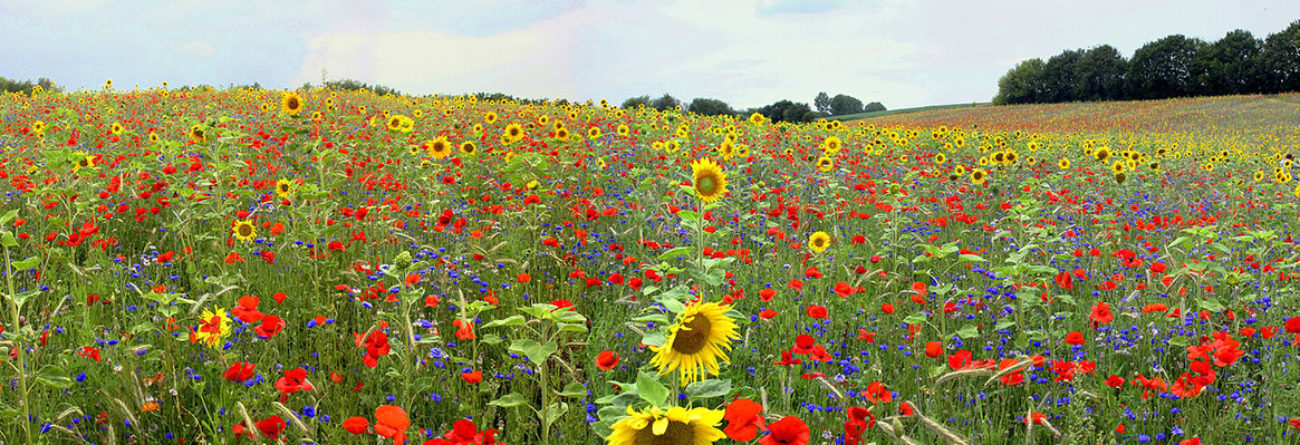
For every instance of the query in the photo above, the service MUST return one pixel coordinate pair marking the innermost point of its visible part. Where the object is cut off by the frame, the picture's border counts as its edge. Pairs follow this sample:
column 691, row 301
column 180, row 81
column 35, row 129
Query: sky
column 902, row 53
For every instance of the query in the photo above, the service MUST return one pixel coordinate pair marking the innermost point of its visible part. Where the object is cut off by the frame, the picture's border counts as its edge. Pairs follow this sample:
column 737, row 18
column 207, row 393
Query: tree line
column 780, row 111
column 1174, row 66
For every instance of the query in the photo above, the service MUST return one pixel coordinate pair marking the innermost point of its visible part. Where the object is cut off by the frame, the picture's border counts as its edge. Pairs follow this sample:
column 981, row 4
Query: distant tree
column 874, row 107
column 633, row 102
column 27, row 86
column 1164, row 68
column 1231, row 65
column 1022, row 84
column 1099, row 74
column 823, row 103
column 843, row 104
column 1060, row 79
column 1279, row 61
column 787, row 111
column 710, row 107
column 665, row 103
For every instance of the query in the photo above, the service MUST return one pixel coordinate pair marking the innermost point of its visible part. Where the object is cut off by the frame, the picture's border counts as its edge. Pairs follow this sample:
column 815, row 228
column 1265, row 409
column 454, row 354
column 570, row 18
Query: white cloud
column 195, row 48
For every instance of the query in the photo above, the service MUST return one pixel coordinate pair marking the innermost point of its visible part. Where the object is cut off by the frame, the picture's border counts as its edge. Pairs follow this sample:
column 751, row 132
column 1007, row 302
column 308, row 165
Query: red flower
column 877, row 393
column 240, row 371
column 391, row 422
column 1100, row 314
column 744, row 419
column 1292, row 325
column 356, row 425
column 463, row 432
column 816, row 311
column 607, row 360
column 294, row 380
column 959, row 360
column 272, row 427
column 803, row 344
column 933, row 349
column 790, row 430
column 1074, row 338
column 766, row 294
column 270, row 326
column 472, row 377
column 376, row 344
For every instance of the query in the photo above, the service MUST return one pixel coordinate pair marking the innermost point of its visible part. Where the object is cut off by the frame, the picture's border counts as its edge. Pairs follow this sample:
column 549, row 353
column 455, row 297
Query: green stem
column 18, row 347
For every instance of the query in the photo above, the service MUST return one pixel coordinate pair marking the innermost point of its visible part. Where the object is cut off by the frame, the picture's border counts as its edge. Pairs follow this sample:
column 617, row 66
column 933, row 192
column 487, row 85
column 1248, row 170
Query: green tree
column 633, row 102
column 843, row 104
column 710, row 107
column 665, row 103
column 874, row 107
column 823, row 103
column 1279, row 61
column 1231, row 65
column 1099, row 74
column 1059, row 77
column 1165, row 68
column 787, row 111
column 1025, row 83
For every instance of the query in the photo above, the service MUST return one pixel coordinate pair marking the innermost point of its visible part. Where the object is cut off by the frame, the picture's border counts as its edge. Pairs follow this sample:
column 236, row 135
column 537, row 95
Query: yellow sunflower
column 244, row 231
column 593, row 133
column 979, row 176
column 819, row 242
column 38, row 127
column 674, row 426
column 623, row 130
column 438, row 148
column 1064, row 164
column 198, row 135
column 825, row 163
column 84, row 161
column 291, row 104
column 514, row 132
column 700, row 337
column 832, row 145
column 117, row 128
column 562, row 134
column 490, row 118
column 756, row 119
column 284, row 188
column 153, row 138
column 709, row 181
column 940, row 159
column 468, row 148
column 213, row 326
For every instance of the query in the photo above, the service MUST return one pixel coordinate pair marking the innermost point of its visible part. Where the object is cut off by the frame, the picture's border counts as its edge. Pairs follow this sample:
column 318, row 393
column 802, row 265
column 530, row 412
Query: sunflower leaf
column 651, row 390
column 708, row 388
column 509, row 401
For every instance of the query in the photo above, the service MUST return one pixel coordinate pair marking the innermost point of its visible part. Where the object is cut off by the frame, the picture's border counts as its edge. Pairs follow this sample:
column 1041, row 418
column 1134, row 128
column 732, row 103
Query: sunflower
column 490, row 117
column 153, row 138
column 395, row 122
column 468, row 148
column 1118, row 167
column 244, row 231
column 979, row 176
column 562, row 134
column 38, row 127
column 674, row 426
column 623, row 130
column 1120, row 177
column 1259, row 175
column 832, row 145
column 117, row 129
column 198, row 135
column 284, row 188
column 727, row 149
column 84, row 161
column 819, row 241
column 825, row 163
column 696, row 341
column 1064, row 164
column 514, row 132
column 213, row 326
column 708, row 179
column 756, row 119
column 940, row 159
column 1102, row 154
column 593, row 133
column 291, row 104
column 438, row 148
column 672, row 147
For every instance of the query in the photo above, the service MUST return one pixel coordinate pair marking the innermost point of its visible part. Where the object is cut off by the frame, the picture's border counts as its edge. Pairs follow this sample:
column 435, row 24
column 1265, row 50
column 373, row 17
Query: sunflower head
column 979, row 176
column 244, row 230
column 284, row 188
column 700, row 337
column 291, row 104
column 468, row 148
column 709, row 181
column 198, row 135
column 819, row 242
column 832, row 145
column 438, row 148
column 593, row 133
column 673, row 426
column 514, row 132
column 825, row 163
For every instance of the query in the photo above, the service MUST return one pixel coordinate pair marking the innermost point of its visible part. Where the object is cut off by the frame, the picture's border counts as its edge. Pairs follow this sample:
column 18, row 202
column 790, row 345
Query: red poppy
column 1292, row 325
column 766, row 294
column 472, row 377
column 1074, row 338
column 816, row 311
column 391, row 422
column 959, row 360
column 607, row 360
column 271, row 427
column 744, row 419
column 247, row 311
column 240, row 371
column 877, row 393
column 270, row 326
column 790, row 430
column 1100, row 314
column 463, row 432
column 294, row 380
column 356, row 425
column 933, row 349
column 803, row 344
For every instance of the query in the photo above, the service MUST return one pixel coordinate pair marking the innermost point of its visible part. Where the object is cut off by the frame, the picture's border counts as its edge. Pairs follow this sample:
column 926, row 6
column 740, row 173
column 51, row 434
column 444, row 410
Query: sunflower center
column 244, row 230
column 678, row 433
column 706, row 184
column 693, row 336
column 293, row 103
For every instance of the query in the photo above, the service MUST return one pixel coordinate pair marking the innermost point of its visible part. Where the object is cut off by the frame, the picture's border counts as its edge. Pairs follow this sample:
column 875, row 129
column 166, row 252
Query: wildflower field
column 251, row 267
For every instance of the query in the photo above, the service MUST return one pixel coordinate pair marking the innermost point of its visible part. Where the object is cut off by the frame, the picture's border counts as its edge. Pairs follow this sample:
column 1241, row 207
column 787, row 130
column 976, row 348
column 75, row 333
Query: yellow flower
column 213, row 326
column 84, row 161
column 756, row 119
column 673, row 426
column 700, row 337
column 468, row 148
column 117, row 129
column 490, row 117
column 438, row 148
column 709, row 181
column 825, row 163
column 244, row 231
column 623, row 130
column 290, row 104
column 979, row 176
column 832, row 145
column 593, row 133
column 284, row 188
column 819, row 241
column 514, row 132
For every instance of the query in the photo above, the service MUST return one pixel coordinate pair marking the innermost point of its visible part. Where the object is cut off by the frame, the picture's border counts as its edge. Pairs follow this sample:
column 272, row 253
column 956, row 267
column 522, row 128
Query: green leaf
column 55, row 377
column 651, row 390
column 708, row 388
column 971, row 257
column 654, row 338
column 8, row 217
column 7, row 239
column 674, row 253
column 1004, row 324
column 509, row 401
column 27, row 264
column 671, row 304
column 916, row 318
column 574, row 390
column 536, row 352
column 553, row 412
column 513, row 320
column 1211, row 304
column 688, row 215
column 968, row 331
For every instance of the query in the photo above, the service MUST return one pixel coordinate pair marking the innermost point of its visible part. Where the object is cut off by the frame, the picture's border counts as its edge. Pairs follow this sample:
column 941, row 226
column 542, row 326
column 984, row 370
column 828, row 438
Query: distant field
column 856, row 116
column 1258, row 119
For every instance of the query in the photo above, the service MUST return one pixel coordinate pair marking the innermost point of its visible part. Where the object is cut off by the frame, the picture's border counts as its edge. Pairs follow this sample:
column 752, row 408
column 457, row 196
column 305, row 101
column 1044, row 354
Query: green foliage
column 710, row 107
column 665, row 103
column 787, row 111
column 638, row 101
column 843, row 104
column 26, row 86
